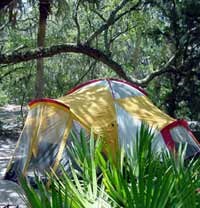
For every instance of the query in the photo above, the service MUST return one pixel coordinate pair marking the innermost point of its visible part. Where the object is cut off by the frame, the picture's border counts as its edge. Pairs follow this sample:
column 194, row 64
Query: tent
column 114, row 109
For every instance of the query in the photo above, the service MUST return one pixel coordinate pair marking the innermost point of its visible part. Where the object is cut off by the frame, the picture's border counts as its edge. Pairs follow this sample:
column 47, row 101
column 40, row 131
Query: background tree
column 44, row 10
column 148, row 42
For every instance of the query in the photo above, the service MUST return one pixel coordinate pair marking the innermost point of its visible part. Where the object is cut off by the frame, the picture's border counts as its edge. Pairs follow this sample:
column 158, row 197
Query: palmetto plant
column 79, row 187
column 139, row 181
column 138, row 178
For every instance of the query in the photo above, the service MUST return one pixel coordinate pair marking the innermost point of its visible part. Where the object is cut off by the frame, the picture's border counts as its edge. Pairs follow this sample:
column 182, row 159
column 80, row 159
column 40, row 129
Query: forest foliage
column 141, row 179
column 152, row 43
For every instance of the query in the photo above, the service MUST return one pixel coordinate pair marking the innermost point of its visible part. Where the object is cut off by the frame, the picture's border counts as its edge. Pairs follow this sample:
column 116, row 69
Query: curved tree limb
column 96, row 54
column 63, row 48
column 166, row 68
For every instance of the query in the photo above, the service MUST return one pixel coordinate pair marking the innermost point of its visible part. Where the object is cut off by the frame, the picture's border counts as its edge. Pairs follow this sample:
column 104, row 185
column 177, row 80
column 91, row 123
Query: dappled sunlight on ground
column 9, row 191
column 9, row 194
column 7, row 147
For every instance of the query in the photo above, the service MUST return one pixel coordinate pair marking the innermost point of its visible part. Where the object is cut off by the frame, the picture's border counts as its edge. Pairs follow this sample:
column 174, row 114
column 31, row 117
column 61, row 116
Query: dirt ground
column 10, row 126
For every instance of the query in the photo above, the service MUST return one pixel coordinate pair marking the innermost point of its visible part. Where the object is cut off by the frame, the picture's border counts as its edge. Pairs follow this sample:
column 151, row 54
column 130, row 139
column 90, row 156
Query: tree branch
column 77, row 23
column 38, row 53
column 91, row 67
column 10, row 72
column 166, row 68
column 4, row 25
column 128, row 11
column 98, row 14
column 96, row 54
column 119, row 33
column 110, row 21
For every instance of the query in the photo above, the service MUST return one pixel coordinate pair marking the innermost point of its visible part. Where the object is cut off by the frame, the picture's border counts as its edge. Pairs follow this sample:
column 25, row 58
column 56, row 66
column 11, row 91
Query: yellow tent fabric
column 143, row 109
column 94, row 109
column 113, row 109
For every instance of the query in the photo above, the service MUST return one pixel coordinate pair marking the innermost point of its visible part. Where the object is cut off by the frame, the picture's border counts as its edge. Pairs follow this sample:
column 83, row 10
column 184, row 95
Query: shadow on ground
column 10, row 127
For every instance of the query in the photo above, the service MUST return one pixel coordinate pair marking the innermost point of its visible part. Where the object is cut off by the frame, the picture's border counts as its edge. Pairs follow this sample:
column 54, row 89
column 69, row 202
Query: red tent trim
column 131, row 85
column 82, row 85
column 111, row 79
column 168, row 137
column 47, row 100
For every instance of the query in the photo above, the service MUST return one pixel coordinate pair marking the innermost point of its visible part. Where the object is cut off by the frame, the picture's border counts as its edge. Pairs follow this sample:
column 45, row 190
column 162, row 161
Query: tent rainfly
column 113, row 108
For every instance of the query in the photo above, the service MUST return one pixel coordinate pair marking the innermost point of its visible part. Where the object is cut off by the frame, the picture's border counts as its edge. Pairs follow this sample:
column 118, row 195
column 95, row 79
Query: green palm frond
column 138, row 178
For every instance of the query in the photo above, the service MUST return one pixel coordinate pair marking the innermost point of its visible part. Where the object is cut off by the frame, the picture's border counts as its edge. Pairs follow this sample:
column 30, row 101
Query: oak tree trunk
column 44, row 9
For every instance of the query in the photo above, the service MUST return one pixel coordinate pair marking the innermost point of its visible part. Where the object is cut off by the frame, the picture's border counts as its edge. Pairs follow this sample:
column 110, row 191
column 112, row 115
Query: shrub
column 138, row 178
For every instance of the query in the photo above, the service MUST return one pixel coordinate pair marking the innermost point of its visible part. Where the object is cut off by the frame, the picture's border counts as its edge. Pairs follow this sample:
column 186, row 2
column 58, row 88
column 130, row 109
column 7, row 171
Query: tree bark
column 44, row 9
column 4, row 3
column 86, row 50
